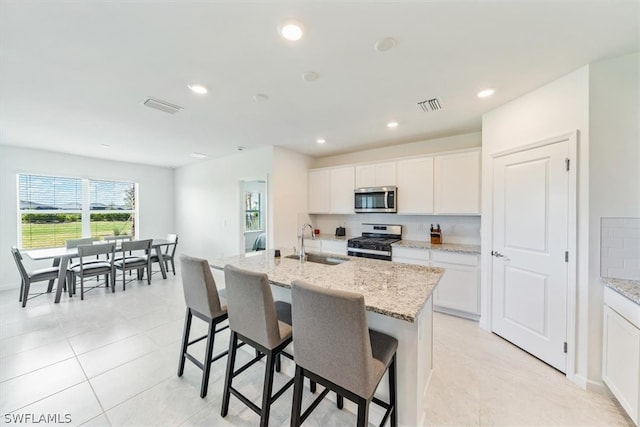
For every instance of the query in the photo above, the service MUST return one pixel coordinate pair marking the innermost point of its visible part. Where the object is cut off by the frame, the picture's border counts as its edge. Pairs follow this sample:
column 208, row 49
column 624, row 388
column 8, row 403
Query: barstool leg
column 392, row 392
column 207, row 359
column 363, row 412
column 268, row 387
column 228, row 378
column 339, row 401
column 278, row 362
column 185, row 341
column 296, row 408
column 312, row 386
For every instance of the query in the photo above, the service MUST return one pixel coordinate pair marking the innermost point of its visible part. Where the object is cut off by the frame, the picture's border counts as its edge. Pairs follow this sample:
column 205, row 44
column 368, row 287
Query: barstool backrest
column 199, row 286
column 252, row 312
column 331, row 336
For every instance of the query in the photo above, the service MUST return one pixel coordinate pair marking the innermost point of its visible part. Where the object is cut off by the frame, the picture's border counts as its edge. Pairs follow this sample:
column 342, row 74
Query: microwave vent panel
column 165, row 106
column 428, row 105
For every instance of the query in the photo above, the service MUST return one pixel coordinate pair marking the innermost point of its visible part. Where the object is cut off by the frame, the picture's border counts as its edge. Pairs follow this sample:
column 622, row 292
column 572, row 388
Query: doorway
column 532, row 284
column 253, row 223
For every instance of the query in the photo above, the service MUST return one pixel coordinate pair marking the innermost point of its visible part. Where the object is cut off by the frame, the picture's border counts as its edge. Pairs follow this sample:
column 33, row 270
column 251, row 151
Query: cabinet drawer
column 421, row 255
column 334, row 247
column 624, row 306
column 454, row 258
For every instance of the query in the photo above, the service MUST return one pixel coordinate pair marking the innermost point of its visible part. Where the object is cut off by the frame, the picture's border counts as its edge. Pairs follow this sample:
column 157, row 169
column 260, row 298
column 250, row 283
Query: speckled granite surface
column 322, row 236
column 391, row 289
column 446, row 247
column 627, row 288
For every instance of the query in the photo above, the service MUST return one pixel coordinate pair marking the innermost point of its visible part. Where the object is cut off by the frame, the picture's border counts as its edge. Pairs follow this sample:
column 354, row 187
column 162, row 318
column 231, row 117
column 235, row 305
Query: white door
column 530, row 232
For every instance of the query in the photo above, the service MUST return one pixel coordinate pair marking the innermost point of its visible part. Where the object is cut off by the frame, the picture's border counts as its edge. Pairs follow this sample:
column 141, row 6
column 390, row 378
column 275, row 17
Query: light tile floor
column 112, row 358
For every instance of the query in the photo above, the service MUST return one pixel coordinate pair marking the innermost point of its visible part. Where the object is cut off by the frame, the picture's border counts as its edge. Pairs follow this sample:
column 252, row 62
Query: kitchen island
column 398, row 301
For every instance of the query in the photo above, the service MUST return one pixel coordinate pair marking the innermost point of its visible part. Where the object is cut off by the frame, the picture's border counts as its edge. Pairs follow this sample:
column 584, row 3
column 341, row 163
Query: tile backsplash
column 620, row 248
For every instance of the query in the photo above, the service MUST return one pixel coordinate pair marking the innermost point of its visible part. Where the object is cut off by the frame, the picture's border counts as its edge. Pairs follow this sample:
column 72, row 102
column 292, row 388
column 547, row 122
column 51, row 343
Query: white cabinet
column 342, row 186
column 621, row 351
column 457, row 183
column 458, row 291
column 376, row 175
column 320, row 191
column 331, row 190
column 338, row 247
column 415, row 186
column 410, row 255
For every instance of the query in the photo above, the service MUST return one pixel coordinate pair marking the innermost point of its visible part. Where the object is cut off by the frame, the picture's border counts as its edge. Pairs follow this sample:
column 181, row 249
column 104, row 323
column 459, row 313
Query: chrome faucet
column 313, row 237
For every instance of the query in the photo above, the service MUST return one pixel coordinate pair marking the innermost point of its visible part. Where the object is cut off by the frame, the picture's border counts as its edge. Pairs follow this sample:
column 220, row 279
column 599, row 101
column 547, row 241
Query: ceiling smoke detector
column 432, row 104
column 165, row 106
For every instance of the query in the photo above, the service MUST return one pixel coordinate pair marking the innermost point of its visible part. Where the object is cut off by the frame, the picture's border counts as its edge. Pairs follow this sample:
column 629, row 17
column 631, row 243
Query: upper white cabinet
column 443, row 184
column 342, row 185
column 376, row 175
column 320, row 191
column 415, row 186
column 457, row 183
column 331, row 190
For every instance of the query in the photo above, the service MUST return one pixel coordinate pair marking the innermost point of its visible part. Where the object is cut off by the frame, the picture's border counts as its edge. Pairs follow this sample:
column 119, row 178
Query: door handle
column 499, row 255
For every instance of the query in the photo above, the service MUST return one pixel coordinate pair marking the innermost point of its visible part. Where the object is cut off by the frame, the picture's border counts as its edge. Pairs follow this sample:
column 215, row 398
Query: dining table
column 62, row 255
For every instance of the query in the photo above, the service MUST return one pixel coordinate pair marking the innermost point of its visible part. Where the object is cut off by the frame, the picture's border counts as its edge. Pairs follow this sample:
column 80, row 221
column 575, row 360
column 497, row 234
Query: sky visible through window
column 49, row 192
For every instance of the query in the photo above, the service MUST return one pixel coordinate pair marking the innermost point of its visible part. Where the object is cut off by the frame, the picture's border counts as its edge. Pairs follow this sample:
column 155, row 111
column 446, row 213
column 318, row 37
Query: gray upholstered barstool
column 202, row 300
column 265, row 325
column 335, row 348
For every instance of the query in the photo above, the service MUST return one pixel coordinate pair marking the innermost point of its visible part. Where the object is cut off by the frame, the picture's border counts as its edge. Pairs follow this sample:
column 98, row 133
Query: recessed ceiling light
column 199, row 89
column 199, row 155
column 310, row 76
column 261, row 97
column 485, row 93
column 290, row 30
column 321, row 140
column 392, row 124
column 385, row 44
column 105, row 146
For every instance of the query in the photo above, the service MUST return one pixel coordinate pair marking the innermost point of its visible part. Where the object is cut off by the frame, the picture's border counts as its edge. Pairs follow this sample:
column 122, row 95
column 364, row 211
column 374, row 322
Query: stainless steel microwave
column 375, row 199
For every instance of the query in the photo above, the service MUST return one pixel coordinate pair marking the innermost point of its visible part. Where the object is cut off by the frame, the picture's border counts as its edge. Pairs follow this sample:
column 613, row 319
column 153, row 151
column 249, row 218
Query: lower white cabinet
column 334, row 247
column 410, row 256
column 458, row 291
column 621, row 352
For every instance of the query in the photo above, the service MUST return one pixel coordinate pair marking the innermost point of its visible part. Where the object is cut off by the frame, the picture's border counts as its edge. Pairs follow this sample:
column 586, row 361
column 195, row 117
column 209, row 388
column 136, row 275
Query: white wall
column 208, row 200
column 557, row 108
column 155, row 194
column 289, row 191
column 430, row 146
column 455, row 229
column 614, row 170
column 601, row 102
column 208, row 209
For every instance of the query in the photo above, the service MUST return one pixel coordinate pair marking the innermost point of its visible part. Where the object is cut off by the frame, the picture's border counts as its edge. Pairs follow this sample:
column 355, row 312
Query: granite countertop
column 446, row 247
column 629, row 289
column 389, row 288
column 328, row 236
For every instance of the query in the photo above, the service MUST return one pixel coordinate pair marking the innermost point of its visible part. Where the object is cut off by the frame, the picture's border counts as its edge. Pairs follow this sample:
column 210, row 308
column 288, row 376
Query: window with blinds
column 54, row 209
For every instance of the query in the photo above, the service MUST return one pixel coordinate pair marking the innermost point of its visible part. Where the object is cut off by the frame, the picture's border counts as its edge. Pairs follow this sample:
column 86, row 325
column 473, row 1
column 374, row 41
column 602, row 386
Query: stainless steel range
column 375, row 241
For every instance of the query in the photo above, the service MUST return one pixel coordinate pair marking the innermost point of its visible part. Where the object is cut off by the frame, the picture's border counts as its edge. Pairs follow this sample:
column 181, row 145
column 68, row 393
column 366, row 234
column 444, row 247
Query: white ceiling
column 74, row 75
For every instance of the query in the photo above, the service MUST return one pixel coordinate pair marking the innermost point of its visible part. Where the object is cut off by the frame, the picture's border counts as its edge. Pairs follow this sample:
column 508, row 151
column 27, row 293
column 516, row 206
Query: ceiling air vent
column 432, row 104
column 165, row 106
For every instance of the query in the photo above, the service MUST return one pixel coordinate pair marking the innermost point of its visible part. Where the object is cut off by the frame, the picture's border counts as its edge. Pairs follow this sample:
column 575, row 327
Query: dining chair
column 168, row 254
column 335, row 347
column 88, row 266
column 27, row 277
column 138, row 259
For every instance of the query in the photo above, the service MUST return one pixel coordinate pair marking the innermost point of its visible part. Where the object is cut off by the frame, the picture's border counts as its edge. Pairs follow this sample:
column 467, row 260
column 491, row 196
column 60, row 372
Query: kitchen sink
column 321, row 258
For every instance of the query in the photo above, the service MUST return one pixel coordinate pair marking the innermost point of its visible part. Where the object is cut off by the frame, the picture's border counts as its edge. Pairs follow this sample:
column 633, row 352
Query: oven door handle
column 369, row 251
